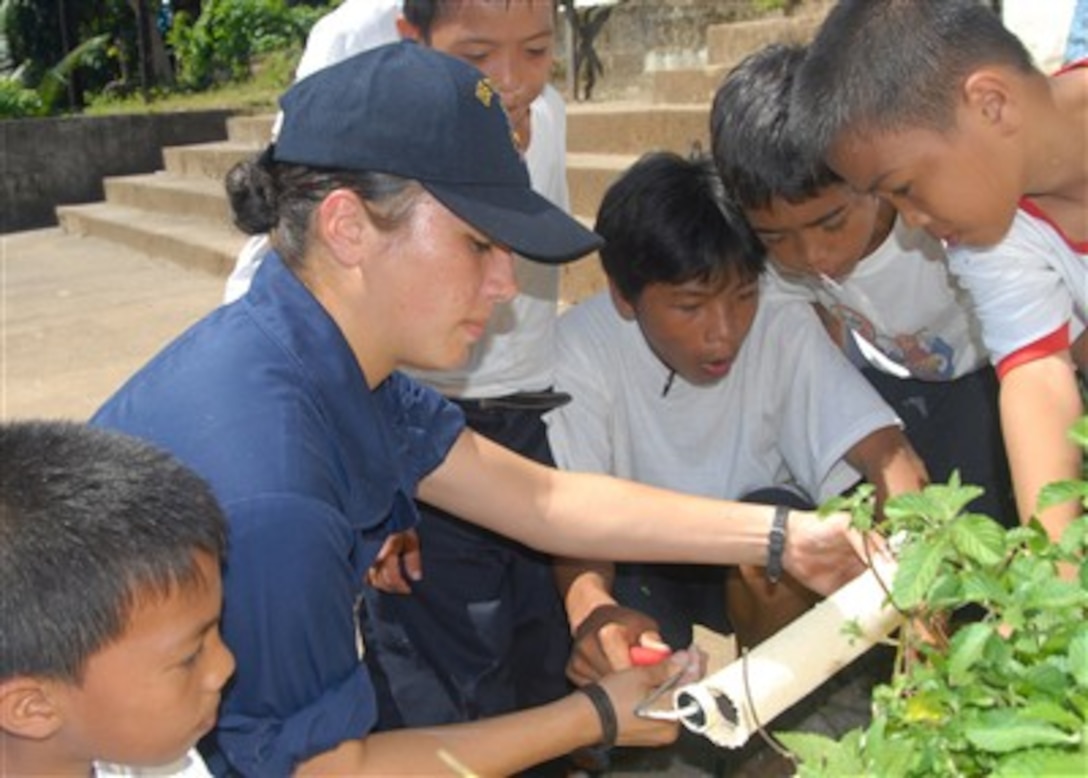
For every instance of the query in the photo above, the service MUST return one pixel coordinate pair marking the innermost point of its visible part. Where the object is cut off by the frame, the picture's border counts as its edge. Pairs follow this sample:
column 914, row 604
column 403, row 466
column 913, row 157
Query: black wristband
column 776, row 543
column 605, row 712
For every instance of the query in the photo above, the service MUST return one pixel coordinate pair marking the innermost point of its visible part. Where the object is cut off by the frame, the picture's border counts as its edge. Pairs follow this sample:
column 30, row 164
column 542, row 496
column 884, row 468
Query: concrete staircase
column 181, row 212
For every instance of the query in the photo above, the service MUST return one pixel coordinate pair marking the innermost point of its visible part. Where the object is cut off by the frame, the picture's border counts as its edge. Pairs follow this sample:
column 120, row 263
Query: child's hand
column 604, row 639
column 649, row 651
column 397, row 564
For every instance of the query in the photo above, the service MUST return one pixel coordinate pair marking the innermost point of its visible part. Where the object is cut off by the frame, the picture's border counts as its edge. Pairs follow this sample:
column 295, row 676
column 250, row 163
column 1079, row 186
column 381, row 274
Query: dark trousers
column 484, row 632
column 956, row 425
column 679, row 596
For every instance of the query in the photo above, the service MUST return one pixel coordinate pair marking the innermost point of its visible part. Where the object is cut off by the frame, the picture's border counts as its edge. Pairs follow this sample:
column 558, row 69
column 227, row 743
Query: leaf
column 979, row 538
column 1062, row 491
column 910, row 505
column 924, row 707
column 1079, row 433
column 1051, row 713
column 965, row 650
column 1042, row 762
column 1078, row 657
column 811, row 749
column 983, row 586
column 1004, row 731
column 918, row 568
column 1054, row 594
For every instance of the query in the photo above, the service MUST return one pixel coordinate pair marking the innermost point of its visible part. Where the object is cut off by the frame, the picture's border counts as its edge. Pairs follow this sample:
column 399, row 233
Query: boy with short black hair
column 109, row 567
column 936, row 107
column 881, row 287
column 684, row 376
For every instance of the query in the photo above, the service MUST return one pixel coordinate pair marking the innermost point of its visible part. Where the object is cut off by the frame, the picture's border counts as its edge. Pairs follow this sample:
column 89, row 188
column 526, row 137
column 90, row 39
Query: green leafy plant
column 221, row 44
column 991, row 675
column 19, row 97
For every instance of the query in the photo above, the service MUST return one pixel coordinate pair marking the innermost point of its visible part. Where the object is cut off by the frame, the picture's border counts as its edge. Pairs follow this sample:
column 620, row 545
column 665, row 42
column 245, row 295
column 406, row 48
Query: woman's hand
column 825, row 553
column 628, row 688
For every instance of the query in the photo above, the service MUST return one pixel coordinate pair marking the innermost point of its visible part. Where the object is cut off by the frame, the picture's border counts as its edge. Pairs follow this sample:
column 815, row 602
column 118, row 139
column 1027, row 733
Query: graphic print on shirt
column 927, row 356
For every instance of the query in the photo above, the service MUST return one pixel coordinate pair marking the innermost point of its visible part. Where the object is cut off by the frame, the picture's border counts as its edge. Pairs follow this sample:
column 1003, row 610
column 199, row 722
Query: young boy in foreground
column 936, row 107
column 109, row 568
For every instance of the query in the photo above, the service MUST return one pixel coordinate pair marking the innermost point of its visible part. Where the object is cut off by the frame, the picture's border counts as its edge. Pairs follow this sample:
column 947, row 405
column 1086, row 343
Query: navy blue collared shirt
column 266, row 401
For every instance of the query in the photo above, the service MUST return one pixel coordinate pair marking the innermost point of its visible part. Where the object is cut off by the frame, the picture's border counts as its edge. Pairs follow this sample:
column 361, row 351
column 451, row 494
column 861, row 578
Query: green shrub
column 1006, row 692
column 16, row 101
column 220, row 46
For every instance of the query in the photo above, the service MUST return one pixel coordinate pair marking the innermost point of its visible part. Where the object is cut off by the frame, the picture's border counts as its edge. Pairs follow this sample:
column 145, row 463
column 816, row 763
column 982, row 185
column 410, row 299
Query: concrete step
column 210, row 160
column 255, row 129
column 589, row 175
column 635, row 127
column 165, row 192
column 729, row 43
column 192, row 241
column 693, row 85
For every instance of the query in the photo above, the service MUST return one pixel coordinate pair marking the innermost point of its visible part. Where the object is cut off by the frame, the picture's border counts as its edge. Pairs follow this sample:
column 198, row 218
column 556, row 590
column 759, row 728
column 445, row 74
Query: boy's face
column 697, row 329
column 146, row 698
column 511, row 42
column 825, row 235
column 960, row 185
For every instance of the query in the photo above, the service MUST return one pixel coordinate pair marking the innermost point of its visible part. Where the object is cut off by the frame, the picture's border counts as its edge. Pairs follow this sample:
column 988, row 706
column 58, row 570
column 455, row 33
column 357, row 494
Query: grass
column 271, row 75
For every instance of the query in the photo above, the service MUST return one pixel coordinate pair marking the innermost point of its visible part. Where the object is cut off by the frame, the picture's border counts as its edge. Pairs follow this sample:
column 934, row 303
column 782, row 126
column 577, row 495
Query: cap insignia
column 484, row 92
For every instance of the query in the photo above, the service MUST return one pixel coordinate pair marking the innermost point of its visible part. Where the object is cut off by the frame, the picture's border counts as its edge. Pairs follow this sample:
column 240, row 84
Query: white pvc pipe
column 731, row 705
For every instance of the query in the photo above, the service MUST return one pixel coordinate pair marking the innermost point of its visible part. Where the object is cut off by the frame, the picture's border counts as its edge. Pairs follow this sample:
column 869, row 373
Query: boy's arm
column 1040, row 402
column 886, row 459
column 604, row 631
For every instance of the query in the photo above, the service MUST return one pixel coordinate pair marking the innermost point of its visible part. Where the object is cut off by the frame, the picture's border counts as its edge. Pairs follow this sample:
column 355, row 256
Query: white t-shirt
column 189, row 766
column 787, row 412
column 902, row 300
column 354, row 27
column 1026, row 287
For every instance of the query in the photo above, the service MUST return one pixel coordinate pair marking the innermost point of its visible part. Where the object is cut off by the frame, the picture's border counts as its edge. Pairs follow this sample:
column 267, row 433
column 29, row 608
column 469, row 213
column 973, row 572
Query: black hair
column 423, row 14
column 91, row 522
column 889, row 65
column 268, row 196
column 754, row 147
column 667, row 220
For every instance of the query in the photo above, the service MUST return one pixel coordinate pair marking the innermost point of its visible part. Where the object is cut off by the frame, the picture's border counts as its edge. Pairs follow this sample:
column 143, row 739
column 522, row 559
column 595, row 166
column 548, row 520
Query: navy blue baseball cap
column 413, row 112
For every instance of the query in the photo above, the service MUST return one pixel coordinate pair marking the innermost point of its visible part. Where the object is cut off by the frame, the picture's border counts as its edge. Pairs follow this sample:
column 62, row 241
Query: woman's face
column 444, row 279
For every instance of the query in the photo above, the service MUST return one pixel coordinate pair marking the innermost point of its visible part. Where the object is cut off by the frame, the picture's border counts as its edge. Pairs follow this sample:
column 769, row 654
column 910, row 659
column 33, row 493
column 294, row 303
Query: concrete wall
column 50, row 162
column 646, row 35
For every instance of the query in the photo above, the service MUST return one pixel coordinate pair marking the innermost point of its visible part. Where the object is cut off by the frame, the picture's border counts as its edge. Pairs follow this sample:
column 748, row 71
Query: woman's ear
column 343, row 223
column 28, row 709
column 625, row 309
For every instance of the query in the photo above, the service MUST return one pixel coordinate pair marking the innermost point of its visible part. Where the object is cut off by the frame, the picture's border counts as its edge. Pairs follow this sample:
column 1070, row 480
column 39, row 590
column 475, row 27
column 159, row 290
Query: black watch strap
column 776, row 543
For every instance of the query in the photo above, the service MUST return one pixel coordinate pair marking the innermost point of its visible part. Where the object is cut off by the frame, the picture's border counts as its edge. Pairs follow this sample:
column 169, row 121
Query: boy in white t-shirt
column 881, row 287
column 684, row 376
column 934, row 106
column 109, row 567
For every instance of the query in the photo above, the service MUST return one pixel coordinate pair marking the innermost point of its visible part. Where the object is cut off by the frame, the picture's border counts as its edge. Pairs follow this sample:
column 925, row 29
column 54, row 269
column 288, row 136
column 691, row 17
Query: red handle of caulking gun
column 643, row 656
